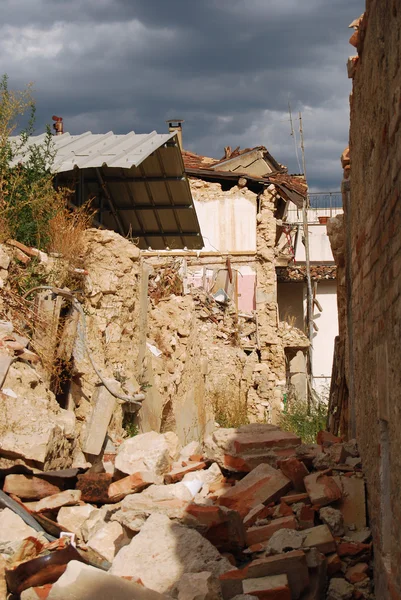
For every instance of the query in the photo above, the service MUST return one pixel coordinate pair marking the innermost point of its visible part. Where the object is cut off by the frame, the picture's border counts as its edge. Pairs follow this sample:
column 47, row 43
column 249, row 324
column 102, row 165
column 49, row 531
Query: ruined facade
column 369, row 260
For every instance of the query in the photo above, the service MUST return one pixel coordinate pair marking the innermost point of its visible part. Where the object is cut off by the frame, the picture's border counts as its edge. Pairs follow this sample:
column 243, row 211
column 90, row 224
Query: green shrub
column 304, row 420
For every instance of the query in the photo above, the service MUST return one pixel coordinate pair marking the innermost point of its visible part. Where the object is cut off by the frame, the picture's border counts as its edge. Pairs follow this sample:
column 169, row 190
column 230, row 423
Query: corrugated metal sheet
column 137, row 184
column 97, row 149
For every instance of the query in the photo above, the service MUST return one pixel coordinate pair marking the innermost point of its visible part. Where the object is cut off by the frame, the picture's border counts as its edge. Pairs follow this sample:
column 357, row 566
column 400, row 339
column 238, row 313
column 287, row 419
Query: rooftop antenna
column 293, row 135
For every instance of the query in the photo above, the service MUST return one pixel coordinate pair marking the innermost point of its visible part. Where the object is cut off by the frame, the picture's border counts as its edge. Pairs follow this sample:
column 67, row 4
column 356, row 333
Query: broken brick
column 352, row 548
column 357, row 573
column 325, row 439
column 320, row 537
column 177, row 474
column 254, row 535
column 294, row 498
column 293, row 564
column 306, row 517
column 273, row 587
column 322, row 488
column 296, row 471
column 129, row 485
column 263, row 485
column 333, row 564
column 258, row 512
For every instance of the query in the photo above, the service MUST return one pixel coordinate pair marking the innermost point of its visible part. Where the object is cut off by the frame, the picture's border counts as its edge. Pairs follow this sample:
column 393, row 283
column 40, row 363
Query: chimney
column 175, row 125
column 58, row 126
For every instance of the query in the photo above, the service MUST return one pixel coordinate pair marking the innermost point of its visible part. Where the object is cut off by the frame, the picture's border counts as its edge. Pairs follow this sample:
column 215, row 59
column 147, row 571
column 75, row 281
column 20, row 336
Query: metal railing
column 321, row 204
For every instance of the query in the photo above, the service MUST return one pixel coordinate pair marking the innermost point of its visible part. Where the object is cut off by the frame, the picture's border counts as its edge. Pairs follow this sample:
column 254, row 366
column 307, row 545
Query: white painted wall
column 319, row 245
column 323, row 342
column 228, row 222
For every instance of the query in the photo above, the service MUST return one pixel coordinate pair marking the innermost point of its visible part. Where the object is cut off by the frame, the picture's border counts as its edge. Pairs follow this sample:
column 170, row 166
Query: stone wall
column 371, row 192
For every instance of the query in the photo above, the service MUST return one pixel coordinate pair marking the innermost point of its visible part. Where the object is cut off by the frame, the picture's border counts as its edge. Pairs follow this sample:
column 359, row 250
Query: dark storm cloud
column 228, row 67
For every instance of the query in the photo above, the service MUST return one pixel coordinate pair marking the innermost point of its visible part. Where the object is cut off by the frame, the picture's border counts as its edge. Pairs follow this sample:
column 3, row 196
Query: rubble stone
column 145, row 452
column 108, row 540
column 81, row 581
column 163, row 551
column 73, row 517
column 334, row 519
column 199, row 586
column 94, row 487
column 171, row 500
column 12, row 531
column 339, row 589
column 285, row 540
column 66, row 498
column 273, row 587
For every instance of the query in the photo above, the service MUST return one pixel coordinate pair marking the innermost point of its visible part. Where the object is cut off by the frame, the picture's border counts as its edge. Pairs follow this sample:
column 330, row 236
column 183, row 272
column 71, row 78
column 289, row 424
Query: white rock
column 339, row 589
column 108, row 540
column 163, row 551
column 66, row 498
column 190, row 449
column 82, row 582
column 73, row 517
column 199, row 586
column 145, row 452
column 13, row 530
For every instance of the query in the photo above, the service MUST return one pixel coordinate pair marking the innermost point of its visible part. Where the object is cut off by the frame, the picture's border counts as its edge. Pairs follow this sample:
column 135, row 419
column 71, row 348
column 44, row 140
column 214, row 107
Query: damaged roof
column 255, row 164
column 137, row 181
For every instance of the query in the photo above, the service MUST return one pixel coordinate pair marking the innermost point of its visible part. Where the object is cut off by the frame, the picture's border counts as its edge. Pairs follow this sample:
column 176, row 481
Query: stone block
column 263, row 485
column 320, row 537
column 255, row 535
column 296, row 471
column 29, row 487
column 163, row 551
column 145, row 452
column 102, row 412
column 108, row 540
column 56, row 501
column 73, row 517
column 322, row 488
column 80, row 581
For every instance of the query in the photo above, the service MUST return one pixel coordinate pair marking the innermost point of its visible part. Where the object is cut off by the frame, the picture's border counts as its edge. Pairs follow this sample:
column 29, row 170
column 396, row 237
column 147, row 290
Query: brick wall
column 373, row 265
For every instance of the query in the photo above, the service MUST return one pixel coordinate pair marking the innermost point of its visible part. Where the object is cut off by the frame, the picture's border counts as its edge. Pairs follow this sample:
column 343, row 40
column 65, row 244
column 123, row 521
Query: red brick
column 357, row 573
column 293, row 564
column 352, row 548
column 258, row 512
column 306, row 517
column 267, row 439
column 295, row 470
column 322, row 488
column 29, row 487
column 325, row 438
column 333, row 564
column 254, row 535
column 177, row 474
column 129, row 485
column 263, row 485
column 294, row 498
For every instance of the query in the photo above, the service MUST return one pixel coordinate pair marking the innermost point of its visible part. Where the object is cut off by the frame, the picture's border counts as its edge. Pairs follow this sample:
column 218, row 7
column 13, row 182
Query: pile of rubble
column 251, row 512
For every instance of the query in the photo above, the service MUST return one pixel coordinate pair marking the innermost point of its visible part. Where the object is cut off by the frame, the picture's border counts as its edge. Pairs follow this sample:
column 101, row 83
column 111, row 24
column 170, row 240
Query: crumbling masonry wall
column 371, row 190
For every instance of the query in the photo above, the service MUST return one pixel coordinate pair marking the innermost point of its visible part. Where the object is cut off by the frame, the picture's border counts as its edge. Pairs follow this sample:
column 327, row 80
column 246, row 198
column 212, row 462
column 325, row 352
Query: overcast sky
column 228, row 67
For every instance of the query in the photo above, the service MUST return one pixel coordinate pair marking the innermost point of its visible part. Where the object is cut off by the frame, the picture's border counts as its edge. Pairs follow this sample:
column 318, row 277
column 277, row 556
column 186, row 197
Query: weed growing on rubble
column 229, row 412
column 303, row 420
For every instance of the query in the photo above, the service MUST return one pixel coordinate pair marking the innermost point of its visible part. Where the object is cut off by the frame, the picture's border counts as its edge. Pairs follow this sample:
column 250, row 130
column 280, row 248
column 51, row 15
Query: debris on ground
column 246, row 513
